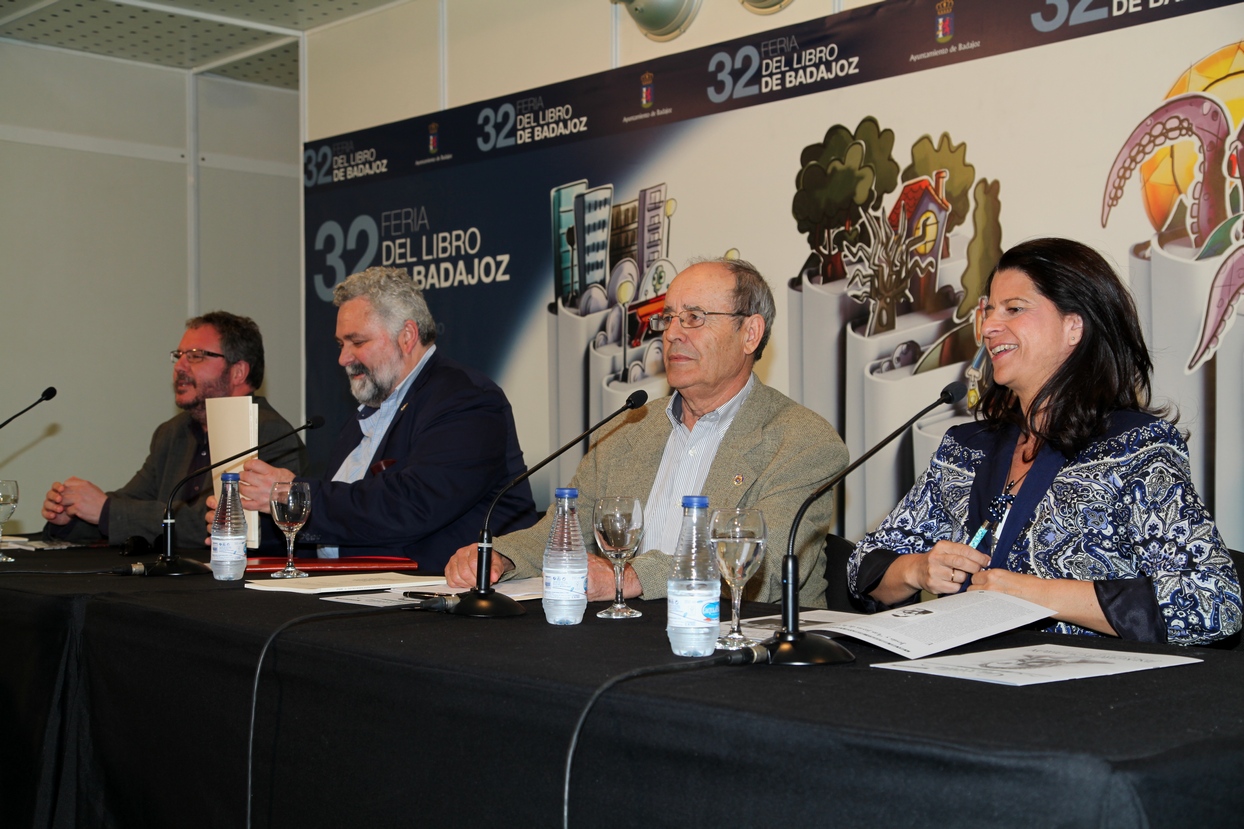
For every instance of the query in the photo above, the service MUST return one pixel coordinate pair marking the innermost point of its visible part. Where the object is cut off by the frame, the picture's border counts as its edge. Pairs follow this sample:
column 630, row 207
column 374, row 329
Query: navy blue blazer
column 450, row 449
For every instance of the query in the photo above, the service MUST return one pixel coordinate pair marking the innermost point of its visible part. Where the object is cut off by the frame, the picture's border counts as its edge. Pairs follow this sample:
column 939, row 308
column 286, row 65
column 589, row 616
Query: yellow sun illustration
column 1170, row 172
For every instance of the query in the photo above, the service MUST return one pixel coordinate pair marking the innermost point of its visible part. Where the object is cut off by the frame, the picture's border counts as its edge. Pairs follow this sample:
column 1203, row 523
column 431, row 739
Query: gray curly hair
column 393, row 294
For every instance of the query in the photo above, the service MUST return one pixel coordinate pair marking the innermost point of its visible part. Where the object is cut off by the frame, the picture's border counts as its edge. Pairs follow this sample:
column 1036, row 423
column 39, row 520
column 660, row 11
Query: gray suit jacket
column 138, row 507
column 774, row 455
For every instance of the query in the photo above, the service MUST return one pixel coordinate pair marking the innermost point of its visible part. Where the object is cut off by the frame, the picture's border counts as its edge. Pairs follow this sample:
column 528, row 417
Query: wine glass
column 291, row 506
column 738, row 537
column 8, row 503
column 618, row 523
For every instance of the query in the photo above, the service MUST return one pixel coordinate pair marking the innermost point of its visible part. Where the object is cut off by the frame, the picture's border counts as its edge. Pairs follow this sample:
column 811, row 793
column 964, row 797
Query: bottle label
column 228, row 549
column 564, row 586
column 694, row 609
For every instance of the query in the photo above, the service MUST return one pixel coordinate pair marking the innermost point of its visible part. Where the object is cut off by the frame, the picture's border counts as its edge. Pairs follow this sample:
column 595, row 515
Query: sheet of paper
column 928, row 627
column 518, row 589
column 1037, row 664
column 345, row 582
column 382, row 599
column 232, row 427
column 762, row 627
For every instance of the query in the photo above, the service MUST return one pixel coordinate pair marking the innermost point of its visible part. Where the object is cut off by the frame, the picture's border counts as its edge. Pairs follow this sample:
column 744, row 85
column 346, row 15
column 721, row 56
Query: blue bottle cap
column 566, row 492
column 695, row 502
column 229, row 476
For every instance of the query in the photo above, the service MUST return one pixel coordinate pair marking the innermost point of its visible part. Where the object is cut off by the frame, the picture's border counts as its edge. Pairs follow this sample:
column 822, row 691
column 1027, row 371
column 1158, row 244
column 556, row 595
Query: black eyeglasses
column 688, row 319
column 194, row 355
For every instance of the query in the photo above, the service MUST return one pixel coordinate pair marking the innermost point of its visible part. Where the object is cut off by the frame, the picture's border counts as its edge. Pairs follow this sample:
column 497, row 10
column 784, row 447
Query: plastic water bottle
column 565, row 564
column 694, row 588
column 229, row 532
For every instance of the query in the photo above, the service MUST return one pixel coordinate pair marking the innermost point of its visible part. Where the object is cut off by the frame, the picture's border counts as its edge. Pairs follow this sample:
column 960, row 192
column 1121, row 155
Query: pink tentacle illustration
column 1224, row 295
column 1196, row 116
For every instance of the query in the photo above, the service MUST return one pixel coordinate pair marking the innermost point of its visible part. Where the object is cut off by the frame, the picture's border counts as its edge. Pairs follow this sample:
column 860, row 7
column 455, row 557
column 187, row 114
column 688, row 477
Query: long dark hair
column 1109, row 367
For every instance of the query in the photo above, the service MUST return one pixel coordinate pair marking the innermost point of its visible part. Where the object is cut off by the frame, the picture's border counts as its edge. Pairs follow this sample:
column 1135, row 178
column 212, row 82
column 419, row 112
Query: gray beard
column 367, row 388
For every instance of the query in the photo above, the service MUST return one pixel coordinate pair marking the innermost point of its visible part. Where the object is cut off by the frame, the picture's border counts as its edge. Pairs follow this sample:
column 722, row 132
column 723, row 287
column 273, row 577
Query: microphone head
column 637, row 399
column 954, row 392
column 316, row 421
column 48, row 393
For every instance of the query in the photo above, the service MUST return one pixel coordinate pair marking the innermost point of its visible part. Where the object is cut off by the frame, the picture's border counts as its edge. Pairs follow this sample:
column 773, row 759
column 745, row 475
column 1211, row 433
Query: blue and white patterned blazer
column 1123, row 513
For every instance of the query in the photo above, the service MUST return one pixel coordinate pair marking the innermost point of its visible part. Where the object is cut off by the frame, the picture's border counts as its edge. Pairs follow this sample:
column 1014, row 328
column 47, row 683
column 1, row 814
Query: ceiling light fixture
column 661, row 20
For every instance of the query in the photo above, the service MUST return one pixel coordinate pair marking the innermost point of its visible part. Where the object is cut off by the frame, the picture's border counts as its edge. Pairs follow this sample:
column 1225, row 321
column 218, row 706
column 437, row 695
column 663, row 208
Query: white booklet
column 232, row 427
column 1037, row 663
column 919, row 629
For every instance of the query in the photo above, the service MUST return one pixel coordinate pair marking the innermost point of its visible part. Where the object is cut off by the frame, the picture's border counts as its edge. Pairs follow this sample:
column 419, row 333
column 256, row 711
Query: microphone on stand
column 791, row 646
column 169, row 564
column 48, row 394
column 483, row 601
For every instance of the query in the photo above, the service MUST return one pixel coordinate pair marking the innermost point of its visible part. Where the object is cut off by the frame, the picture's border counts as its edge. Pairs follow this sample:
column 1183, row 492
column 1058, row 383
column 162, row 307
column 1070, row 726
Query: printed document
column 1037, row 664
column 920, row 629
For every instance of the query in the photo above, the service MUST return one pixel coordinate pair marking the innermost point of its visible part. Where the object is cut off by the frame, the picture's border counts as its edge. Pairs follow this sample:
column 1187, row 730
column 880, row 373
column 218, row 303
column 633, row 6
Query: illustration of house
column 923, row 203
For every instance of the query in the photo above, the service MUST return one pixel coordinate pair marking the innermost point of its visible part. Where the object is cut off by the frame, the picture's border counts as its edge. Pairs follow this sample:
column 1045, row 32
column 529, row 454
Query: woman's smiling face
column 1026, row 335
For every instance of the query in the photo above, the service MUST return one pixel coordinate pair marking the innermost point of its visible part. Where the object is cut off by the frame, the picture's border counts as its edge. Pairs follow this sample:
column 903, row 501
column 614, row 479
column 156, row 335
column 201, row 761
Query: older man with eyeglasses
column 220, row 355
column 723, row 434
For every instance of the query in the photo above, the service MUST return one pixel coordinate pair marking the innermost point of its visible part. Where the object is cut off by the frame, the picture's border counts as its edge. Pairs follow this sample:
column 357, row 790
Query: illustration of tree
column 985, row 249
column 839, row 179
column 884, row 280
column 926, row 159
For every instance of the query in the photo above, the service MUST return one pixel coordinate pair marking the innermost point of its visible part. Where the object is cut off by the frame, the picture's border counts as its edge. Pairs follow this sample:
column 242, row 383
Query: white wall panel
column 501, row 48
column 93, row 301
column 378, row 68
column 58, row 91
column 250, row 266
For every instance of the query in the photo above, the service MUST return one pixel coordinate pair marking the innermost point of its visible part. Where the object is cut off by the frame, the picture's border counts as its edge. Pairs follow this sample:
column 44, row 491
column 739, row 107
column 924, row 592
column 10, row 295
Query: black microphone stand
column 48, row 394
column 791, row 646
column 169, row 563
column 482, row 601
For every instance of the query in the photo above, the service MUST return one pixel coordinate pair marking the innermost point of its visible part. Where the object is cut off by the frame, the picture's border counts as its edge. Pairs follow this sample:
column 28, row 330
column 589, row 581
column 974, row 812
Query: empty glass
column 618, row 523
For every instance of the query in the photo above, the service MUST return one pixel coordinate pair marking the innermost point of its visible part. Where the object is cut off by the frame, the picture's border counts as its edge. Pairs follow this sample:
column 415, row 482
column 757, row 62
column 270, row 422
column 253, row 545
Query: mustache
column 184, row 378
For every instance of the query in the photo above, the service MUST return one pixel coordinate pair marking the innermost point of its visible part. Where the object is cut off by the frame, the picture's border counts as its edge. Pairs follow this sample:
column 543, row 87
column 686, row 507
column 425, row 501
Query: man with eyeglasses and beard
column 220, row 355
column 433, row 443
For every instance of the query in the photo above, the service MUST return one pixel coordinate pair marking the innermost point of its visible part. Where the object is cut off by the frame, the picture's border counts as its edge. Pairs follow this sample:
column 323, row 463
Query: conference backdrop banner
column 872, row 164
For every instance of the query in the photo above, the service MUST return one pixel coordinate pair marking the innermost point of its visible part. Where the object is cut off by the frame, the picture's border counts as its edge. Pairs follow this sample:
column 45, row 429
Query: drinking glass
column 738, row 537
column 8, row 503
column 618, row 523
column 291, row 506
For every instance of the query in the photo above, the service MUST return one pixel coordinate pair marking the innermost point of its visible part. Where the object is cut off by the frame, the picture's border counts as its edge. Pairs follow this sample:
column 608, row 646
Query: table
column 404, row 718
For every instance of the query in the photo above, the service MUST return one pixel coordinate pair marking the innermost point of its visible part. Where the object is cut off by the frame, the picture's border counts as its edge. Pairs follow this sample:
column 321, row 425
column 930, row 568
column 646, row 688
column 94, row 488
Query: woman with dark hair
column 1069, row 490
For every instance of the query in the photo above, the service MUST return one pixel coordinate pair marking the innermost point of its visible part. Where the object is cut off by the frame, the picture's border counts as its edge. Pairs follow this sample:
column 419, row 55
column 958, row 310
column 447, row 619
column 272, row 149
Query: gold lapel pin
column 738, row 480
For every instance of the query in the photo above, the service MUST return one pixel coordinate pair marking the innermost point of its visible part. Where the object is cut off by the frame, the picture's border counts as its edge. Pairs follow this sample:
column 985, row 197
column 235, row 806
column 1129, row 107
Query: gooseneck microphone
column 791, row 646
column 169, row 564
column 48, row 394
column 482, row 600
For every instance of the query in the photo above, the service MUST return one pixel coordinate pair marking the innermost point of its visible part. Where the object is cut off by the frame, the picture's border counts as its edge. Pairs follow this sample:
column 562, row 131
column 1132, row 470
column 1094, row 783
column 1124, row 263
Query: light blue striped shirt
column 684, row 467
column 374, row 424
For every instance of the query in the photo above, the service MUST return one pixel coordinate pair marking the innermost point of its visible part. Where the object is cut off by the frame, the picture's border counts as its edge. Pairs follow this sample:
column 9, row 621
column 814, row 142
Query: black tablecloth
column 403, row 719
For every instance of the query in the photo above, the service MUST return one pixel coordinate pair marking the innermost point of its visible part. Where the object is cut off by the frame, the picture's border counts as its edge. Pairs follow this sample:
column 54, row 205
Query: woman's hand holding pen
column 943, row 569
column 948, row 566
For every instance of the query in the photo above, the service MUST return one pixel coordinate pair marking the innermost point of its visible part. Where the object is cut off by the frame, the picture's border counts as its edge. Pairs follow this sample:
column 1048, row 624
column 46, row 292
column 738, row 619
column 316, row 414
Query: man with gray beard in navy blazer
column 433, row 443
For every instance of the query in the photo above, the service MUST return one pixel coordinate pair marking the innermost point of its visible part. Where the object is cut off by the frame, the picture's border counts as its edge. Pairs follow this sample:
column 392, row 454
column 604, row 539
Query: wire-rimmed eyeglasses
column 688, row 319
